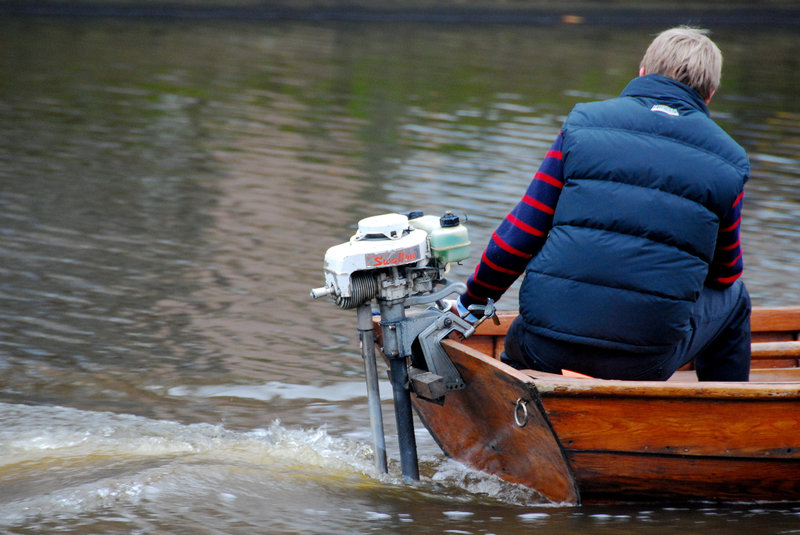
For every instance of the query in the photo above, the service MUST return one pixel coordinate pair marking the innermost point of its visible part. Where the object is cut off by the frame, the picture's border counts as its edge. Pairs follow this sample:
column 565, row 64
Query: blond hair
column 687, row 55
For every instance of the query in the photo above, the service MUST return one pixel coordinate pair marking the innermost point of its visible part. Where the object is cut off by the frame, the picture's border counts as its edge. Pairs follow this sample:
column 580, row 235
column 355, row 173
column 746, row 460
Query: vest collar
column 658, row 87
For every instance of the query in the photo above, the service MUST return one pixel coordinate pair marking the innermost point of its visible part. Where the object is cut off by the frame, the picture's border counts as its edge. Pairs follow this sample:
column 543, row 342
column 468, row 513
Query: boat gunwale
column 556, row 385
column 548, row 384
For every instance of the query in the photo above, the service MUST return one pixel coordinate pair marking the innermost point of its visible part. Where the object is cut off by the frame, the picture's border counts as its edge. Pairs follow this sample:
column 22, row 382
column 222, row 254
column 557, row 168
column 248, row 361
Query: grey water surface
column 167, row 192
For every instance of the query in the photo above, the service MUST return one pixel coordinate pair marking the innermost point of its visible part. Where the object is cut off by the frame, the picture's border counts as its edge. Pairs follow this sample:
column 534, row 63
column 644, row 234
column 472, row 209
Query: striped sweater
column 524, row 230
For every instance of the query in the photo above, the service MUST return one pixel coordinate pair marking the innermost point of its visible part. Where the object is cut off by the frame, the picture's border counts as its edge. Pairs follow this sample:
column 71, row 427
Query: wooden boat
column 580, row 440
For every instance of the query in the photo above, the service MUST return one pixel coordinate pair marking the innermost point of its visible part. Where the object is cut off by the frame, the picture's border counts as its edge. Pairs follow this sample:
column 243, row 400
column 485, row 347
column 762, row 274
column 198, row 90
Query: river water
column 168, row 190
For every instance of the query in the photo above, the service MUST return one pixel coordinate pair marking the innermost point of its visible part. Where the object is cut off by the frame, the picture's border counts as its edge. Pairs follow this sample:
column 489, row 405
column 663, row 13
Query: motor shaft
column 367, row 336
column 392, row 319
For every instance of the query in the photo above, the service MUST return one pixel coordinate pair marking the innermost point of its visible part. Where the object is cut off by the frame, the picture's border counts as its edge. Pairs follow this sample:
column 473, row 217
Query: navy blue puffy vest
column 648, row 176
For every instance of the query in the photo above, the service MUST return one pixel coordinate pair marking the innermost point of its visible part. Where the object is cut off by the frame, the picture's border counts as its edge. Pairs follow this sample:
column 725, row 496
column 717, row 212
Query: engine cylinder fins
column 363, row 288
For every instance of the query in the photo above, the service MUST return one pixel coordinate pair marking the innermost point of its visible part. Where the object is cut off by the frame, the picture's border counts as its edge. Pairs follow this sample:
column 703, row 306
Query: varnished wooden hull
column 585, row 440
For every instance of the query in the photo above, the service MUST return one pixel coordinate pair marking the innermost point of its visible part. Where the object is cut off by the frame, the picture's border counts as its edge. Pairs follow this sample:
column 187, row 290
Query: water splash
column 459, row 480
column 63, row 461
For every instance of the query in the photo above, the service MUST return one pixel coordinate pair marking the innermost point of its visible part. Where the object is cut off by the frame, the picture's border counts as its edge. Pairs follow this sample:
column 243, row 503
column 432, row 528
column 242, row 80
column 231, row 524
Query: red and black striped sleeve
column 727, row 265
column 521, row 234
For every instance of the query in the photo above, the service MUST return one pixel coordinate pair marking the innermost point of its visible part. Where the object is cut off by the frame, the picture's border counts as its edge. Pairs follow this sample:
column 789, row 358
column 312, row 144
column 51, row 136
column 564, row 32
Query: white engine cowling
column 382, row 241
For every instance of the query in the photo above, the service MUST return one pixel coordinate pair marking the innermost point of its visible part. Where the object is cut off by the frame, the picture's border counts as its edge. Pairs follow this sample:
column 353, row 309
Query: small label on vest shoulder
column 661, row 108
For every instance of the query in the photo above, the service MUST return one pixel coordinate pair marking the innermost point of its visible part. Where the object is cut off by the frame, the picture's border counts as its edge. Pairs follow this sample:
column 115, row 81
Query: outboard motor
column 401, row 261
column 393, row 256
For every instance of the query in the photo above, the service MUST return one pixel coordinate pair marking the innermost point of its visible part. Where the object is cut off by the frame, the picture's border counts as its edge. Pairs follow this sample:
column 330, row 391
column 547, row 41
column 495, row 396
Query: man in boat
column 628, row 235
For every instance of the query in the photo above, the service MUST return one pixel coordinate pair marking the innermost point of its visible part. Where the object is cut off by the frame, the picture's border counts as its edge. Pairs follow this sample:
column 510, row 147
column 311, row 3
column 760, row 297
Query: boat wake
column 58, row 462
column 62, row 460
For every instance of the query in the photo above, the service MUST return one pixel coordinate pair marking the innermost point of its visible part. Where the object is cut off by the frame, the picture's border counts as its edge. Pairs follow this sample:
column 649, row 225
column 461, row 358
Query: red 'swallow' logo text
column 397, row 258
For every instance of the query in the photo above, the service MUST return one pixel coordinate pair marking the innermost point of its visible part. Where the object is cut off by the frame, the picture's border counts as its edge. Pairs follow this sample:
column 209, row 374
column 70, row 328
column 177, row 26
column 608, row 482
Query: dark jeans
column 719, row 343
